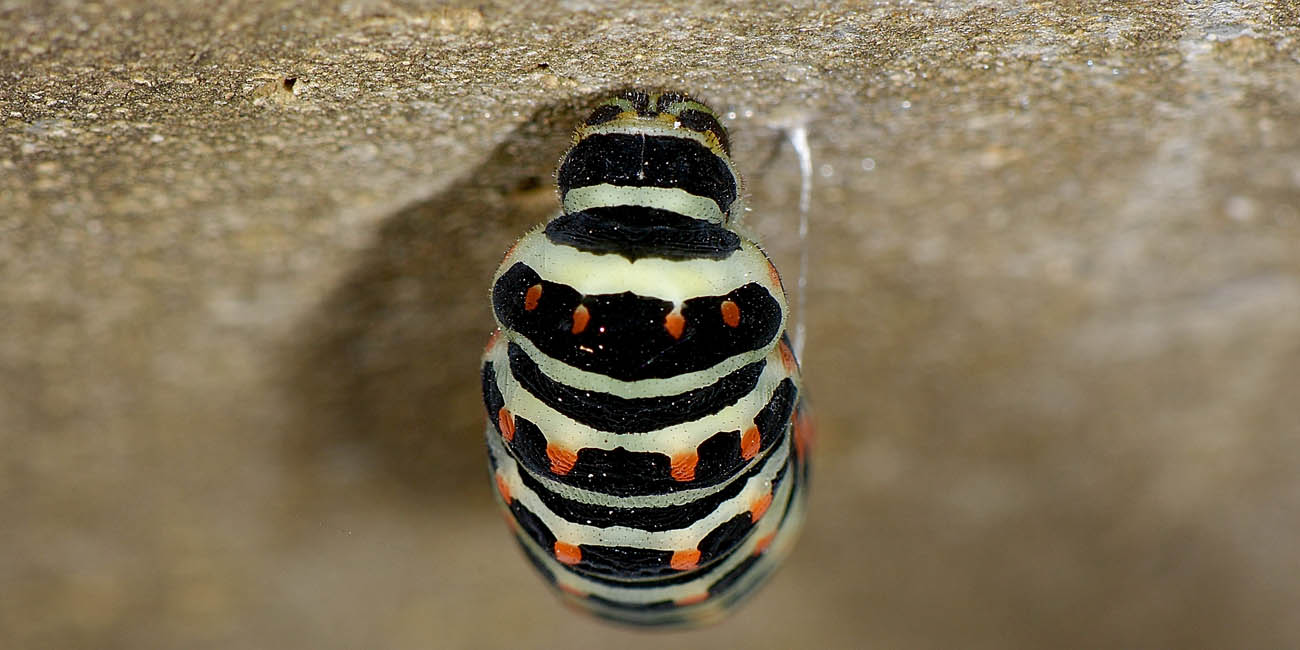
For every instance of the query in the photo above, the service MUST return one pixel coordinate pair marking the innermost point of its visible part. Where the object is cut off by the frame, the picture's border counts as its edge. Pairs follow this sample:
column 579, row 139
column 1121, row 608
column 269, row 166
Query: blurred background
column 1053, row 314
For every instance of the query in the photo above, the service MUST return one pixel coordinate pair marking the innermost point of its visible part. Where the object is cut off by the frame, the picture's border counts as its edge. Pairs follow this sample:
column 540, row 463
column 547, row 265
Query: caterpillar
column 646, row 430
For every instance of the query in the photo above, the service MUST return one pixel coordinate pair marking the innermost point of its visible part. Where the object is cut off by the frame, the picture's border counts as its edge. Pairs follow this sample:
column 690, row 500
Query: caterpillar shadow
column 383, row 377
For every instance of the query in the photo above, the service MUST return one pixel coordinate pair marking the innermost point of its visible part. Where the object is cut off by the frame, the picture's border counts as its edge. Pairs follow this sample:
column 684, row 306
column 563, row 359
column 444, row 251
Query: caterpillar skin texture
column 645, row 421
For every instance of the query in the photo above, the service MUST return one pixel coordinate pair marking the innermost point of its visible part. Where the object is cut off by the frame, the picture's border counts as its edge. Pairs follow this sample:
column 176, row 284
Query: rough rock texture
column 1053, row 314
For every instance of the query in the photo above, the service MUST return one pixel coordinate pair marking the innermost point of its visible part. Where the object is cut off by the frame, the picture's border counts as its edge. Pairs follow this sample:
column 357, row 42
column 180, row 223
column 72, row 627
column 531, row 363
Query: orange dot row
column 683, row 560
column 683, row 465
column 674, row 322
column 760, row 547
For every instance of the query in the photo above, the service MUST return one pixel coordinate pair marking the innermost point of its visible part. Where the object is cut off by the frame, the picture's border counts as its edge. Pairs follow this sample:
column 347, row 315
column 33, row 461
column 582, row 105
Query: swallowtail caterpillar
column 646, row 431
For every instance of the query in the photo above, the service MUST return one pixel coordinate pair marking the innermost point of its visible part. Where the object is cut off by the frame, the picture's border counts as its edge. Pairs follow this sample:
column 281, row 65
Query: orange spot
column 532, row 297
column 492, row 341
column 749, row 443
column 730, row 313
column 692, row 600
column 580, row 318
column 685, row 560
column 759, row 507
column 804, row 433
column 774, row 276
column 567, row 553
column 511, row 251
column 510, row 521
column 503, row 488
column 787, row 360
column 684, row 466
column 571, row 590
column 506, row 422
column 674, row 323
column 562, row 460
column 764, row 542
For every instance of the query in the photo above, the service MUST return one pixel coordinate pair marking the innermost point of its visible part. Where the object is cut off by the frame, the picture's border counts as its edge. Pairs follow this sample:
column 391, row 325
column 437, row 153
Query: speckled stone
column 1053, row 314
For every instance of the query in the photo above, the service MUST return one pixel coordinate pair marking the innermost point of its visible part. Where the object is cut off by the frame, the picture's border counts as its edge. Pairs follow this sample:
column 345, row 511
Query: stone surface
column 1053, row 314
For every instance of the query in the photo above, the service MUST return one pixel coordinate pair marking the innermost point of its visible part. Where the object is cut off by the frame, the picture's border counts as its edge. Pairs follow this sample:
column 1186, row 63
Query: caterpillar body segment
column 645, row 421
